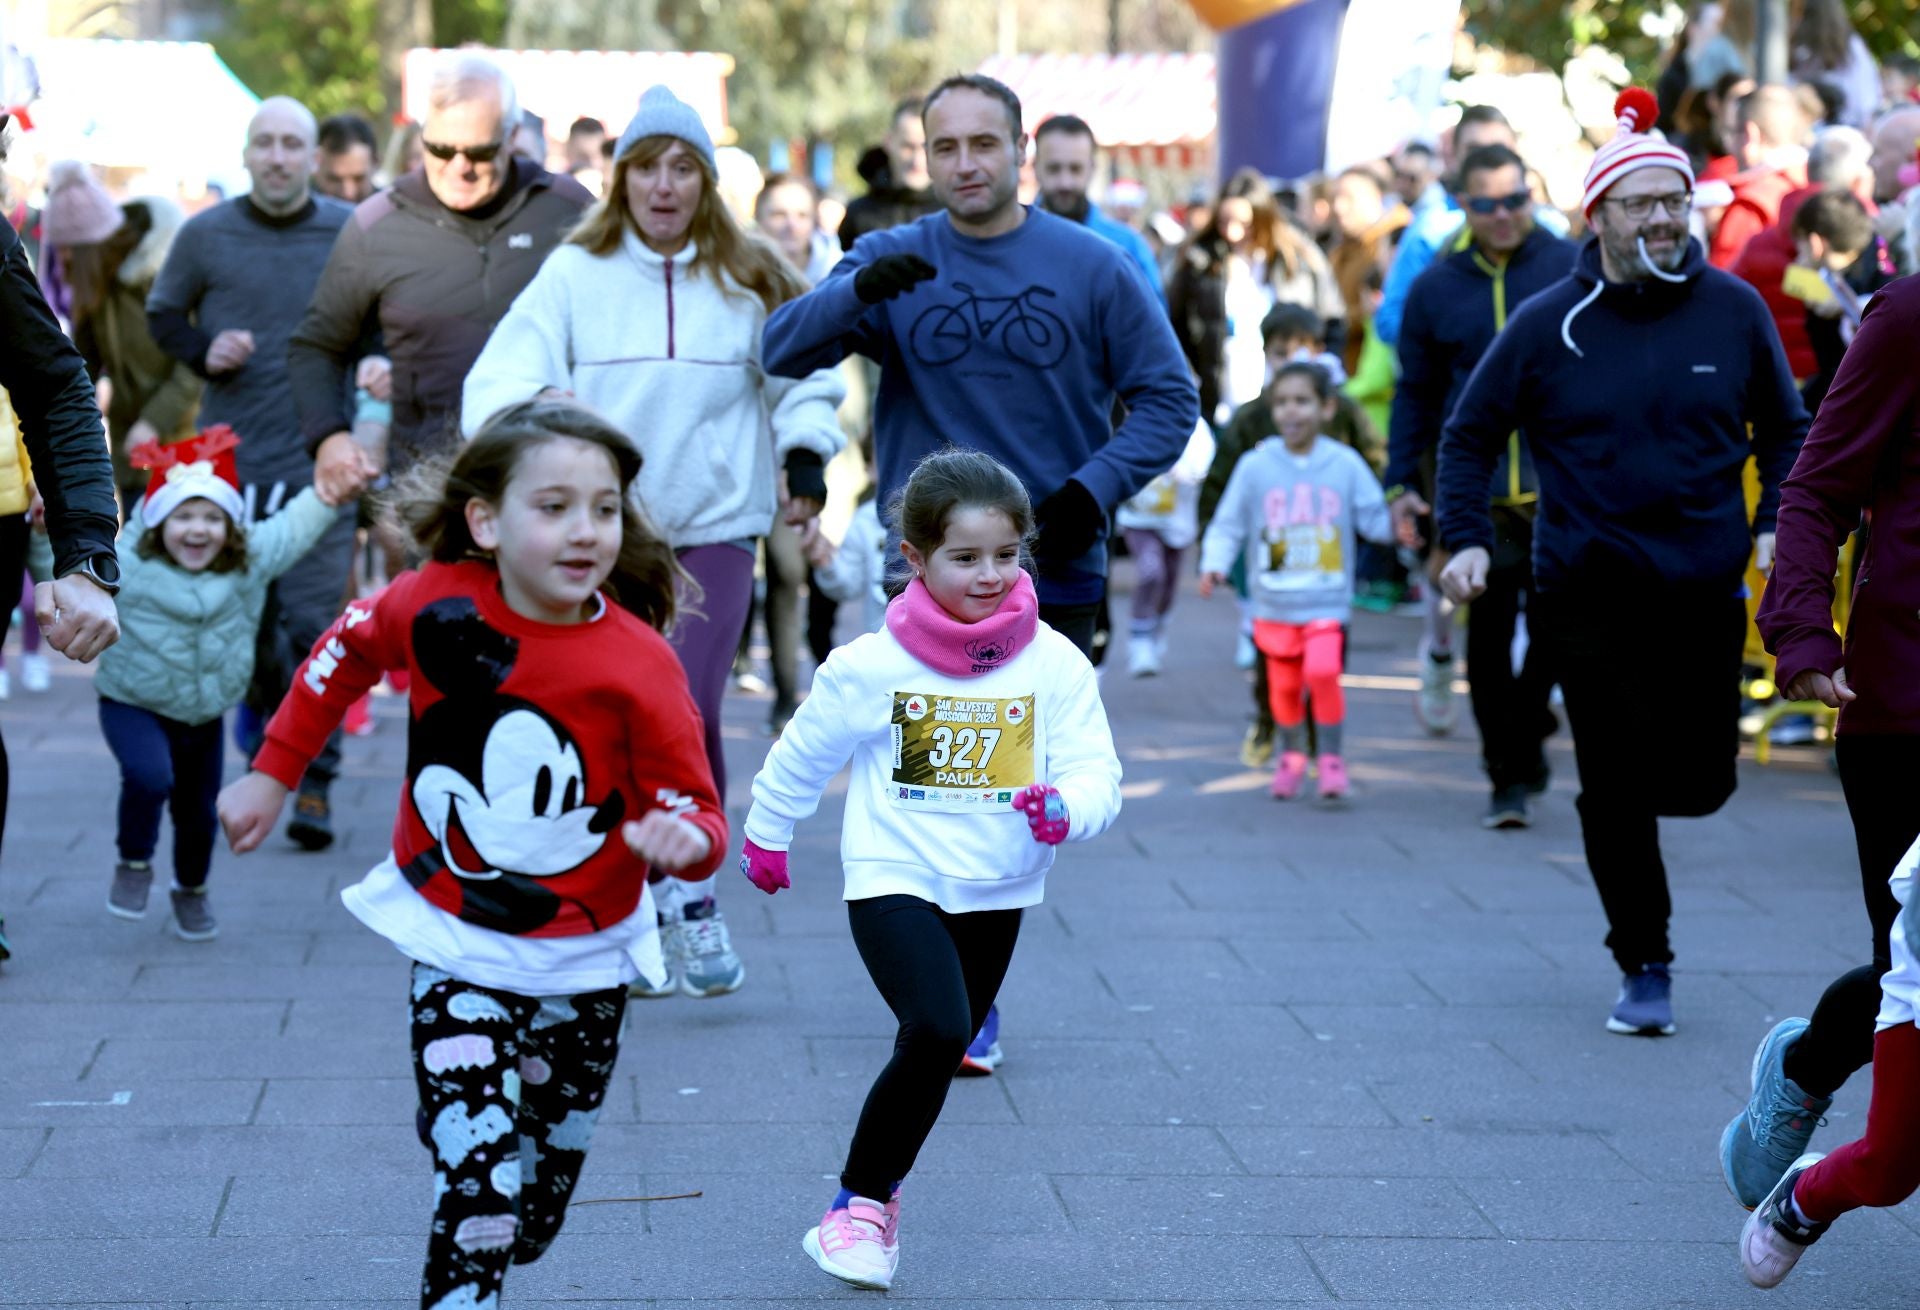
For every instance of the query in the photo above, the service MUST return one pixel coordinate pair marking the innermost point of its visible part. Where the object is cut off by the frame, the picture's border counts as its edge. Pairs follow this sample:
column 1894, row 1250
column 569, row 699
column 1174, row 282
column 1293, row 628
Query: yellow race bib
column 953, row 754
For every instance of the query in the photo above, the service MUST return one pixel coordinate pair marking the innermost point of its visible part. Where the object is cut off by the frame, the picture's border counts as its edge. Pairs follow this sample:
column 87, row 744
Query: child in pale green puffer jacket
column 193, row 587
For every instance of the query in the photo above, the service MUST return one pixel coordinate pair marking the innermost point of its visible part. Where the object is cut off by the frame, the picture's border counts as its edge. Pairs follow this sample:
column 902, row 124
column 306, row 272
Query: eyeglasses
column 1676, row 203
column 475, row 154
column 1513, row 204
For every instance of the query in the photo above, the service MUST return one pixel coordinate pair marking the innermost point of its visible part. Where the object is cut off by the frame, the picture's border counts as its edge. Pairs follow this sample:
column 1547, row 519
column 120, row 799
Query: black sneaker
column 1508, row 809
column 312, row 825
column 193, row 919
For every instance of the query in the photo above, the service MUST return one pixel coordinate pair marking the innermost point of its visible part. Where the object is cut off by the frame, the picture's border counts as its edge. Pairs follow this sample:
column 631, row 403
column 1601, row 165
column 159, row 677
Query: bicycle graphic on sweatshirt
column 1028, row 332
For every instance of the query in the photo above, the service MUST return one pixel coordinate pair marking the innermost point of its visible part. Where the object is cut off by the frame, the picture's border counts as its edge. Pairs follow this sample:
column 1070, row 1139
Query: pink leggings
column 1882, row 1168
column 1303, row 660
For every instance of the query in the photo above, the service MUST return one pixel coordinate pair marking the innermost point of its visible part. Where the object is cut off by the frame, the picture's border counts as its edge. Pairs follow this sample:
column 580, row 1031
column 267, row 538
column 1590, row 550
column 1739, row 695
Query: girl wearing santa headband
column 194, row 584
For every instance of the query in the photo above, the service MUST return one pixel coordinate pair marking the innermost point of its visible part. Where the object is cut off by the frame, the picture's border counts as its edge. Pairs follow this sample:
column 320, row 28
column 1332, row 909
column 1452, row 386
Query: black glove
column 806, row 475
column 890, row 276
column 1070, row 522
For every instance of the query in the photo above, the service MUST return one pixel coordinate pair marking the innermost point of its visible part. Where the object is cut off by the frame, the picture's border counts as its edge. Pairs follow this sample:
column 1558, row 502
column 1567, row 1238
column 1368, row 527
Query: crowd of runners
column 542, row 437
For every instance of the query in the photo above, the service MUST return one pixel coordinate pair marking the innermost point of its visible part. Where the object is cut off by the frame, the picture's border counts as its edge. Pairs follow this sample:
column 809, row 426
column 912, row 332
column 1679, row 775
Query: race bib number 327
column 953, row 754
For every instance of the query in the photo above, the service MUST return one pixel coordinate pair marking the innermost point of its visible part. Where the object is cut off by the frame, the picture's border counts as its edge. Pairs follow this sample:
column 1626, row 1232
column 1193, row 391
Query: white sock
column 1799, row 1215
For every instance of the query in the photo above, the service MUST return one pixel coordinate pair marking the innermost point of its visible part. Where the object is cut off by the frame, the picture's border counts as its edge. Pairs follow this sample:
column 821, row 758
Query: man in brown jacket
column 433, row 262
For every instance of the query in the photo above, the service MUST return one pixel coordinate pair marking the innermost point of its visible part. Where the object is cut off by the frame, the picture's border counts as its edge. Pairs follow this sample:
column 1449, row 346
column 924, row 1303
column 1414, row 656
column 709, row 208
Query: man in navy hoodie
column 1456, row 308
column 1635, row 381
column 1009, row 330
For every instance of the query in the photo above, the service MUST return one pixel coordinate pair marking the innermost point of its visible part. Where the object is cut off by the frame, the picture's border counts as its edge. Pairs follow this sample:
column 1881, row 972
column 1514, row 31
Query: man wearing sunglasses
column 1500, row 259
column 432, row 262
column 1636, row 381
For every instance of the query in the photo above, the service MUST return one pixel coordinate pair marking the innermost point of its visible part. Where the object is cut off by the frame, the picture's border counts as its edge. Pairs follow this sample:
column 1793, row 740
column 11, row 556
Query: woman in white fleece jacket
column 978, row 744
column 651, row 313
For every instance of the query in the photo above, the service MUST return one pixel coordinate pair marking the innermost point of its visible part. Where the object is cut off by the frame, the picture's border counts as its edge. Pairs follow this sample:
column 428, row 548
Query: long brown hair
column 90, row 269
column 431, row 504
column 753, row 263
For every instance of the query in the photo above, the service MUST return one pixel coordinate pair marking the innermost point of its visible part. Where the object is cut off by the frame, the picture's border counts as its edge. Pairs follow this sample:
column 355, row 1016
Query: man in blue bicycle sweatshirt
column 1006, row 329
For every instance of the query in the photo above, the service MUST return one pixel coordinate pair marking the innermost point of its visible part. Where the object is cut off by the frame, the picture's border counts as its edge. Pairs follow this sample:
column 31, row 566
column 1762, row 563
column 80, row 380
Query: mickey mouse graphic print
column 528, row 746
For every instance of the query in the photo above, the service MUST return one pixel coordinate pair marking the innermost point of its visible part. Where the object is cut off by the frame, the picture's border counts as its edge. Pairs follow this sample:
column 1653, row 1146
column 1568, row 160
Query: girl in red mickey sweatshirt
column 553, row 755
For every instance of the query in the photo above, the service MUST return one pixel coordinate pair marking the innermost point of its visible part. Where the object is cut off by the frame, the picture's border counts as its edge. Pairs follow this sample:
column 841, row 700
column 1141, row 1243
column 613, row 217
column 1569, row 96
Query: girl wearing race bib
column 1292, row 506
column 978, row 744
column 554, row 758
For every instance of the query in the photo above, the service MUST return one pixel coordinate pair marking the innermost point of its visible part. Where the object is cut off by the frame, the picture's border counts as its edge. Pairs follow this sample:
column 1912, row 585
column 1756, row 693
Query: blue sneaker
column 1765, row 1139
column 1645, row 1007
column 984, row 1055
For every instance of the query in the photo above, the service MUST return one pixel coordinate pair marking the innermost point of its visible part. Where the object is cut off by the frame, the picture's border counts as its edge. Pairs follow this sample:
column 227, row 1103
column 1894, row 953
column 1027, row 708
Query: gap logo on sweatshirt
column 1304, row 542
column 953, row 754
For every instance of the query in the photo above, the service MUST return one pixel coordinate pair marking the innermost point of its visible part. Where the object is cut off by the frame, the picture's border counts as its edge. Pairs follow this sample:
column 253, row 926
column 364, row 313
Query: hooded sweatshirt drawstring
column 1566, row 324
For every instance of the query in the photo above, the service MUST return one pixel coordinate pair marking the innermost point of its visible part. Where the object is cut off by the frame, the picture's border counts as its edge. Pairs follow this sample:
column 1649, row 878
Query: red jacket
column 1763, row 265
column 1862, row 454
column 529, row 745
column 1757, row 194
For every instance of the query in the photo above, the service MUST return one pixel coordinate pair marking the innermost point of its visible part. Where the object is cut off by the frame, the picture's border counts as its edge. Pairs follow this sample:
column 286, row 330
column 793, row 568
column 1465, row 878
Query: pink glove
column 766, row 870
column 1046, row 813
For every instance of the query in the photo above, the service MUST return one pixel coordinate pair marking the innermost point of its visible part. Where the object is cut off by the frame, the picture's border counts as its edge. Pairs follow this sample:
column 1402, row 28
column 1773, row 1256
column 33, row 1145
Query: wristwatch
column 102, row 570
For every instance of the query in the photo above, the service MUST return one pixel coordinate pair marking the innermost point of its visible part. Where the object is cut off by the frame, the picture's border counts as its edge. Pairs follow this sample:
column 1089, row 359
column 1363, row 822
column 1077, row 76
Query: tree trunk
column 404, row 25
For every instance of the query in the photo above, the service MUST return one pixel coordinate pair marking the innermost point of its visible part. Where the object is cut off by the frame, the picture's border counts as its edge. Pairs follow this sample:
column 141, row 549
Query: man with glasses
column 1500, row 259
column 433, row 262
column 1635, row 380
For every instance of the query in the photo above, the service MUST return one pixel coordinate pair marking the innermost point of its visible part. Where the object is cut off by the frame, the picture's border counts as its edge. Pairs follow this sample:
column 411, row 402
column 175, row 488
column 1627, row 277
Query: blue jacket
column 1636, row 400
column 1431, row 232
column 1018, row 347
column 1457, row 308
column 1133, row 243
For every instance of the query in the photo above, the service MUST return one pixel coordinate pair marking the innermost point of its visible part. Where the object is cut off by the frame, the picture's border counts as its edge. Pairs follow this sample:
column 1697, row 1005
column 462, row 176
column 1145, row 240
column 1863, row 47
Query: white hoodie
column 950, row 836
column 674, row 361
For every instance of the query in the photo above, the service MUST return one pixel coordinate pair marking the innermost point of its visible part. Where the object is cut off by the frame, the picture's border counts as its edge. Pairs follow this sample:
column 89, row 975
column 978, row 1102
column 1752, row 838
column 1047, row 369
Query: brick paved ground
column 1258, row 1055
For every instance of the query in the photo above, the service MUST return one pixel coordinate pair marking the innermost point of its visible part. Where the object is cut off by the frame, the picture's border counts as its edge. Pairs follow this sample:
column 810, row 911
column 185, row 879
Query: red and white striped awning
column 1132, row 102
column 562, row 85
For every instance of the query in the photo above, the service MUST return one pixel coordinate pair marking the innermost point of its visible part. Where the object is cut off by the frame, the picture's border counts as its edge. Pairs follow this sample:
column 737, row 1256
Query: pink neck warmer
column 964, row 650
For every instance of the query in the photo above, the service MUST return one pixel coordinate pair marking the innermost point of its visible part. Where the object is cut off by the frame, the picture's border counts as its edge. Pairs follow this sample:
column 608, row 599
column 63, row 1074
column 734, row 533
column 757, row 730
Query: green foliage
column 326, row 56
column 1553, row 31
column 342, row 55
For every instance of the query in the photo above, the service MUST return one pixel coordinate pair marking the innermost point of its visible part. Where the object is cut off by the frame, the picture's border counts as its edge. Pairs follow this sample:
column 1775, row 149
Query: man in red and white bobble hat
column 1636, row 382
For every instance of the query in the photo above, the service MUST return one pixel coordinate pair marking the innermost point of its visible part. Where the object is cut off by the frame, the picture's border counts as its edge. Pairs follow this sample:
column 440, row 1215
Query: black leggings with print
column 510, row 1088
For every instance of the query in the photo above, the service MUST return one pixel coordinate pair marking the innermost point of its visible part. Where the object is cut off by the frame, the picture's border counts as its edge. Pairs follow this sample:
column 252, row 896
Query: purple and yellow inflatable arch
column 1276, row 63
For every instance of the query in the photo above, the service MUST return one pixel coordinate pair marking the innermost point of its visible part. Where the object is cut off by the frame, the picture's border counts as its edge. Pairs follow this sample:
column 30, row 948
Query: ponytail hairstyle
column 722, row 248
column 949, row 481
column 431, row 504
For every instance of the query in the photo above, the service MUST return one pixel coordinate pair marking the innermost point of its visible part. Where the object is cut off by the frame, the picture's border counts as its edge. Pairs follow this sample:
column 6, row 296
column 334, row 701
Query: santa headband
column 1633, row 148
column 200, row 466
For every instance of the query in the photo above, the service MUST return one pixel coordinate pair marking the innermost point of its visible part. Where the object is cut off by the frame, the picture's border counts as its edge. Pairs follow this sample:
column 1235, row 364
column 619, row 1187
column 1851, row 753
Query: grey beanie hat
column 662, row 113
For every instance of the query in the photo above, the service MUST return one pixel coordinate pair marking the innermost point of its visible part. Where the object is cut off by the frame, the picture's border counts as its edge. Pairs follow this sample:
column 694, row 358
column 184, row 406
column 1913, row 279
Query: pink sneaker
column 1333, row 778
column 859, row 1244
column 1288, row 775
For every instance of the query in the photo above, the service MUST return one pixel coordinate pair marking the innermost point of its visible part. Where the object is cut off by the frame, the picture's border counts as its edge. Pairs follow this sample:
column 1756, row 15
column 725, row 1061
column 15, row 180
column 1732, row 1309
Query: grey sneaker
column 193, row 919
column 1766, row 1138
column 640, row 988
column 708, row 966
column 132, row 884
column 1433, row 705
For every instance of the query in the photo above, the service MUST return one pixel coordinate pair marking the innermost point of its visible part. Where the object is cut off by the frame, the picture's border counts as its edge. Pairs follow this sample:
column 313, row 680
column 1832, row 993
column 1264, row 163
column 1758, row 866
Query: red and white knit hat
column 199, row 466
column 1636, row 147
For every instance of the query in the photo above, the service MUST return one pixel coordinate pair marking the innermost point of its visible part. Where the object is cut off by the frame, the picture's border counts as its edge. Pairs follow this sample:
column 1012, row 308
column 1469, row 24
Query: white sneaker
column 35, row 675
column 6, row 685
column 1245, row 653
column 1433, row 705
column 859, row 1244
column 1143, row 657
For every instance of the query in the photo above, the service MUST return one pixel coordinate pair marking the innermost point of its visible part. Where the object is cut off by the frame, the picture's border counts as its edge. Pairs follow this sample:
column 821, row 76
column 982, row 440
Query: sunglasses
column 1513, row 204
column 475, row 154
